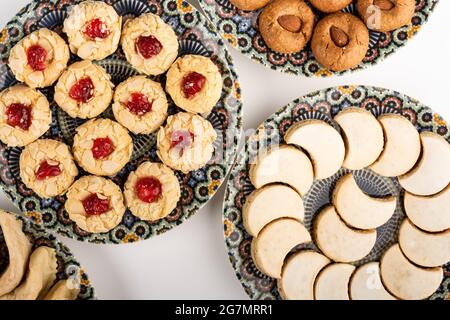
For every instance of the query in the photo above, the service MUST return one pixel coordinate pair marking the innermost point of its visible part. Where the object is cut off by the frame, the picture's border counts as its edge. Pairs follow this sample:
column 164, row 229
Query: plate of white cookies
column 343, row 194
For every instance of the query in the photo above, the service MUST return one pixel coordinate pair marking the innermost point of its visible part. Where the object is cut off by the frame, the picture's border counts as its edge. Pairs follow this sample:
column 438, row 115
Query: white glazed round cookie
column 365, row 284
column 24, row 115
column 274, row 242
column 194, row 83
column 150, row 45
column 406, row 280
column 152, row 191
column 47, row 167
column 186, row 142
column 93, row 29
column 339, row 242
column 39, row 58
column 102, row 147
column 140, row 105
column 299, row 274
column 84, row 90
column 95, row 204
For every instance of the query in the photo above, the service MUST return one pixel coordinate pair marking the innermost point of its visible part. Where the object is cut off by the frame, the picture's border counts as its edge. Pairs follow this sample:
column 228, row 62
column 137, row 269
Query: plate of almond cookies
column 343, row 194
column 119, row 119
column 318, row 37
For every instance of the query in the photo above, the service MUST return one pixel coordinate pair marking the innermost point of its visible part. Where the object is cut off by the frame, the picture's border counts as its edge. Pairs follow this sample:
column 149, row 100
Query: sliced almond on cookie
column 285, row 164
column 299, row 274
column 363, row 137
column 405, row 280
column 274, row 242
column 323, row 144
column 358, row 209
column 270, row 203
column 365, row 284
column 332, row 282
column 432, row 173
column 401, row 148
column 423, row 248
column 429, row 213
column 340, row 242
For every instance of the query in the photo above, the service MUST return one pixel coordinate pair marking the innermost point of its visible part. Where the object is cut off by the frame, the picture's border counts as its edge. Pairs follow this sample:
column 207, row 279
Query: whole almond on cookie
column 290, row 22
column 384, row 4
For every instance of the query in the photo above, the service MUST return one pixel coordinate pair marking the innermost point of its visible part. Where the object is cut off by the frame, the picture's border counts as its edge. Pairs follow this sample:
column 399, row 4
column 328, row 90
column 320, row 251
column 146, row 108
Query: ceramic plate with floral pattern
column 240, row 28
column 324, row 105
column 196, row 36
column 68, row 266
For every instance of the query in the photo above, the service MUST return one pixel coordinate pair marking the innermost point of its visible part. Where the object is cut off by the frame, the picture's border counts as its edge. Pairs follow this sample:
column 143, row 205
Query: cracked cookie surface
column 386, row 15
column 340, row 41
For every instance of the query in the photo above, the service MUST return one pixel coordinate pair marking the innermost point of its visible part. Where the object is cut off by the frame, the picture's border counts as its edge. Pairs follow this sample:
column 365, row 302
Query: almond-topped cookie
column 102, row 147
column 39, row 58
column 95, row 204
column 93, row 29
column 150, row 45
column 186, row 142
column 84, row 90
column 140, row 105
column 47, row 167
column 24, row 115
column 194, row 83
column 152, row 191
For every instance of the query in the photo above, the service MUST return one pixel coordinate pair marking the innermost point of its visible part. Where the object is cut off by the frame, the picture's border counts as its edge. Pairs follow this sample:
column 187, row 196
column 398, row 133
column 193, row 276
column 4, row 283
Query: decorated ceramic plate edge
column 314, row 105
column 197, row 35
column 68, row 266
column 248, row 41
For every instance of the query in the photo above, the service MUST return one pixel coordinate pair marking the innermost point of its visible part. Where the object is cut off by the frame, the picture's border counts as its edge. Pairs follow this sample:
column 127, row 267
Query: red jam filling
column 181, row 139
column 192, row 84
column 102, row 148
column 96, row 29
column 138, row 104
column 148, row 46
column 95, row 206
column 36, row 56
column 19, row 115
column 148, row 189
column 47, row 170
column 83, row 90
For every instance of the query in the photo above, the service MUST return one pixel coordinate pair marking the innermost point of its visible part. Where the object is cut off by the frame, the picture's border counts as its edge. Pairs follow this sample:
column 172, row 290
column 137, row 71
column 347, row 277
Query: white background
column 190, row 261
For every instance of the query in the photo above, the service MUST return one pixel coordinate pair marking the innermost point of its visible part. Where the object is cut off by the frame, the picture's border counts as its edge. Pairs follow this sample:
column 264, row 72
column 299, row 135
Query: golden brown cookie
column 330, row 6
column 249, row 5
column 386, row 15
column 286, row 25
column 340, row 41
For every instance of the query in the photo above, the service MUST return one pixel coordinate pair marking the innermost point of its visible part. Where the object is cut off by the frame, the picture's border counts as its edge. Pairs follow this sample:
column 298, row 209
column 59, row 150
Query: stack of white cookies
column 345, row 231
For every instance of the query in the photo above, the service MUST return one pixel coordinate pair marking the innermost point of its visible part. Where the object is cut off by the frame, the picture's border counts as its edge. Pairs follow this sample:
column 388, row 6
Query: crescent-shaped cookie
column 365, row 284
column 332, row 282
column 299, row 274
column 432, row 173
column 432, row 213
column 270, row 203
column 423, row 248
column 340, row 242
column 363, row 137
column 40, row 276
column 401, row 148
column 274, row 242
column 285, row 164
column 404, row 279
column 358, row 209
column 323, row 144
column 62, row 290
column 19, row 249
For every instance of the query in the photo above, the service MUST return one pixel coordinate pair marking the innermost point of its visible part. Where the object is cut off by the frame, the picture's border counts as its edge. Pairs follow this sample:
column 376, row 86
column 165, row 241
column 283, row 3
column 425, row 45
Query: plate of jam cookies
column 119, row 119
column 318, row 37
column 343, row 195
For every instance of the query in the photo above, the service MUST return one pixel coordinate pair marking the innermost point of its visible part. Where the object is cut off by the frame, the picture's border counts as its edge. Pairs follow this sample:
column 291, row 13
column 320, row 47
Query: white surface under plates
column 190, row 261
